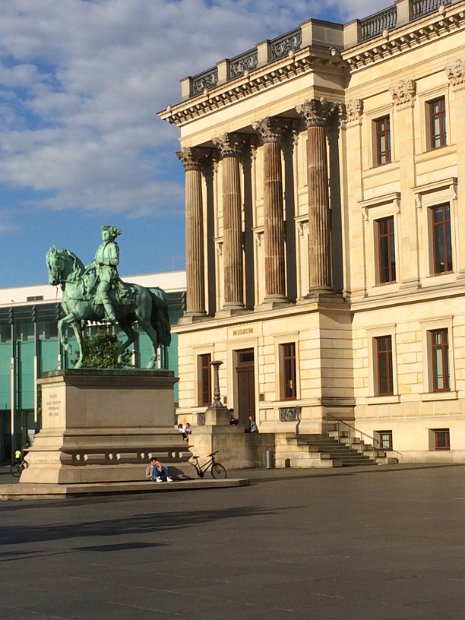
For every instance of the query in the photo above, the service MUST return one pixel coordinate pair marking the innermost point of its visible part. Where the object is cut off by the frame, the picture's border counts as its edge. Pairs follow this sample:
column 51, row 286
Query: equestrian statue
column 96, row 293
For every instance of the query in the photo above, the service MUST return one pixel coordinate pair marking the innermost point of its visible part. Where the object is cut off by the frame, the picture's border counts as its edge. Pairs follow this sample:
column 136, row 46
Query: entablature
column 426, row 28
column 282, row 70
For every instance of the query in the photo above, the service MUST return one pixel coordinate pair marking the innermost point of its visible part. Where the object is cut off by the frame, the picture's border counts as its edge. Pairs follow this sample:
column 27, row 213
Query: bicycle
column 216, row 469
column 16, row 468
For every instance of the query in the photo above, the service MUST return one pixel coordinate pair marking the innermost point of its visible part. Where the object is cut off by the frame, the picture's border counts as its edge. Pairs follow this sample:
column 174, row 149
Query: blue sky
column 80, row 143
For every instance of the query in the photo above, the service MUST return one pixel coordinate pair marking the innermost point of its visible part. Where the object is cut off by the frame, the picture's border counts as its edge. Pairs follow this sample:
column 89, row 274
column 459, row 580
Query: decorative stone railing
column 424, row 7
column 242, row 63
column 204, row 81
column 289, row 42
column 333, row 37
column 376, row 24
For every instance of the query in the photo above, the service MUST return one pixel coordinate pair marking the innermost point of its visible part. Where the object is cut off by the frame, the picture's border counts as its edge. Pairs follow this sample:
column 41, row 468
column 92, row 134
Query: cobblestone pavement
column 382, row 543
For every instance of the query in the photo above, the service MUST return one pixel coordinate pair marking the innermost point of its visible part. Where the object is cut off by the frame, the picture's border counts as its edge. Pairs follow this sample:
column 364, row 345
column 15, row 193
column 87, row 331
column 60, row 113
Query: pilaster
column 403, row 96
column 456, row 78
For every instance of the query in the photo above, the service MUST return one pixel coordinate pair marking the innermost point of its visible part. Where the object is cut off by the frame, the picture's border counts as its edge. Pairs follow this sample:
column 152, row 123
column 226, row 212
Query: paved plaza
column 385, row 543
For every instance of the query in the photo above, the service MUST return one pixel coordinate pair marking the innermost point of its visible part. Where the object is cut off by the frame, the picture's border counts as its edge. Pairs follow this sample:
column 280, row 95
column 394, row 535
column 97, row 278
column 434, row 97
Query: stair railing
column 354, row 432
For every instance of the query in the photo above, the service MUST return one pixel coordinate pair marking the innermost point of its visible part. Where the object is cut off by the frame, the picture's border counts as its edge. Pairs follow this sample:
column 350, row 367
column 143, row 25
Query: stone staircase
column 323, row 451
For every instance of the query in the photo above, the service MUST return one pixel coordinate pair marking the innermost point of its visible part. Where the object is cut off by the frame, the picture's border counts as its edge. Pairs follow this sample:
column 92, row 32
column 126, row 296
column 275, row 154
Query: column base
column 227, row 311
column 322, row 296
column 190, row 317
column 272, row 303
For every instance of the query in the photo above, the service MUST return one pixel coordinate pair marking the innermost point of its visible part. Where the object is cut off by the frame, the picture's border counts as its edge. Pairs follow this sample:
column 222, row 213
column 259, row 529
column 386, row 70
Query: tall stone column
column 315, row 114
column 270, row 131
column 230, row 147
column 195, row 264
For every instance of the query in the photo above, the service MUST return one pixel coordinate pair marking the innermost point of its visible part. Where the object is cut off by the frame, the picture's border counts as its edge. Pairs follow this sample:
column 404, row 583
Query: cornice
column 285, row 69
column 446, row 20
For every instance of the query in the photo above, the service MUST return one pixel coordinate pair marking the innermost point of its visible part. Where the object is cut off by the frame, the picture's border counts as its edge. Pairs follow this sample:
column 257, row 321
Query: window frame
column 387, row 238
column 436, row 138
column 204, row 380
column 440, row 439
column 288, row 370
column 387, row 434
column 441, row 239
column 443, row 348
column 382, row 154
column 379, row 355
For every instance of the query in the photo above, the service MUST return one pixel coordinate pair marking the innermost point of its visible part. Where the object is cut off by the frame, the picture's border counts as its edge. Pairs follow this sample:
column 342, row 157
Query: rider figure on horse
column 106, row 263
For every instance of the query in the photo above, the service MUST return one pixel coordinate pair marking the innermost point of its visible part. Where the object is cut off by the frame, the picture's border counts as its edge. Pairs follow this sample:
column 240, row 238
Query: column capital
column 193, row 157
column 316, row 112
column 403, row 91
column 271, row 129
column 456, row 72
column 230, row 144
column 354, row 110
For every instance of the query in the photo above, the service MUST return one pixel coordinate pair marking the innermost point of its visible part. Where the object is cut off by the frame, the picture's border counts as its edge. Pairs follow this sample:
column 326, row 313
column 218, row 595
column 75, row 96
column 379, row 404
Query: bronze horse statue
column 132, row 303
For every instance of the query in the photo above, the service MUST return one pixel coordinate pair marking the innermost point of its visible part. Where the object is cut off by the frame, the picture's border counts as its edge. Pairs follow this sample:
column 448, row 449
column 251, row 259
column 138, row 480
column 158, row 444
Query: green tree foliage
column 101, row 351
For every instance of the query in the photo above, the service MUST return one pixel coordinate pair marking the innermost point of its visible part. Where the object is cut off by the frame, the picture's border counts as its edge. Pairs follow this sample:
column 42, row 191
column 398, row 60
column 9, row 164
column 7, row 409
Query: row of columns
column 315, row 114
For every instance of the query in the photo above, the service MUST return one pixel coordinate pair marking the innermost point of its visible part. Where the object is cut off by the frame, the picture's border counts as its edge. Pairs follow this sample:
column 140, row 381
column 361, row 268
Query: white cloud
column 80, row 82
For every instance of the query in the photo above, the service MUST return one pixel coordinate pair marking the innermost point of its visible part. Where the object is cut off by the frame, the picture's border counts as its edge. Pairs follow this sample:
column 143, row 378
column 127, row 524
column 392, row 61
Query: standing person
column 160, row 473
column 107, row 261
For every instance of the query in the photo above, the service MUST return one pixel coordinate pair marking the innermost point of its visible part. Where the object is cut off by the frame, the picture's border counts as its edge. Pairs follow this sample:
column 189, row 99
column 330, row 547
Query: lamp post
column 216, row 413
column 216, row 404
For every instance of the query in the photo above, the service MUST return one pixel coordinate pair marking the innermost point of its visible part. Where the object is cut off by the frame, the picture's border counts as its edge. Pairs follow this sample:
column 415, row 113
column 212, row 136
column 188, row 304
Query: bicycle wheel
column 218, row 471
column 16, row 469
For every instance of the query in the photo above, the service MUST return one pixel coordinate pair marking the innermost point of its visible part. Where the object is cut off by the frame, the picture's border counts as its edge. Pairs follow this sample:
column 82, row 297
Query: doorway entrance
column 245, row 382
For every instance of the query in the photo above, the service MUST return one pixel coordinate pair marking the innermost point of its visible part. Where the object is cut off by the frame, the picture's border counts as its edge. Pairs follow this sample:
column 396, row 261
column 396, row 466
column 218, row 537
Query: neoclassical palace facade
column 325, row 213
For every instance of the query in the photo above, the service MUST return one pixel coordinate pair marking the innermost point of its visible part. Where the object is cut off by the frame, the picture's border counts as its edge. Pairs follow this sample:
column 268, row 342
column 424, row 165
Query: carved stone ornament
column 354, row 110
column 316, row 112
column 192, row 157
column 403, row 91
column 270, row 129
column 230, row 144
column 456, row 72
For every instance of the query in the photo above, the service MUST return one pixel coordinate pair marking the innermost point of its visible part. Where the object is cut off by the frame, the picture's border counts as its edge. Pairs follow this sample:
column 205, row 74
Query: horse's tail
column 160, row 319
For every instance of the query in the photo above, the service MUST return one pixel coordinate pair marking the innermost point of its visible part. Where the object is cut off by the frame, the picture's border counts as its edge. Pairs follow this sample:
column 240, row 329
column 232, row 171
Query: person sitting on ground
column 187, row 430
column 160, row 473
column 149, row 469
column 252, row 427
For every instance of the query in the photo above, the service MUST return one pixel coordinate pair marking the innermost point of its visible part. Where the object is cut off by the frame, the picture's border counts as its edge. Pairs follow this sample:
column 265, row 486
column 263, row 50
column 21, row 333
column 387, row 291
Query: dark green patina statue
column 96, row 293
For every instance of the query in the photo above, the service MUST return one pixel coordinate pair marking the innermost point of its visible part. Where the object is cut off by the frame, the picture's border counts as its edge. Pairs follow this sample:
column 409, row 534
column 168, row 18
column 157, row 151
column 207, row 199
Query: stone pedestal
column 103, row 426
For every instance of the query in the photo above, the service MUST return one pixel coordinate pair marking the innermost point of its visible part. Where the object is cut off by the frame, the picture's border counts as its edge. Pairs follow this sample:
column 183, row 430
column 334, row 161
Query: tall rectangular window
column 383, row 361
column 382, row 128
column 204, row 374
column 386, row 250
column 440, row 359
column 441, row 237
column 288, row 371
column 437, row 123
